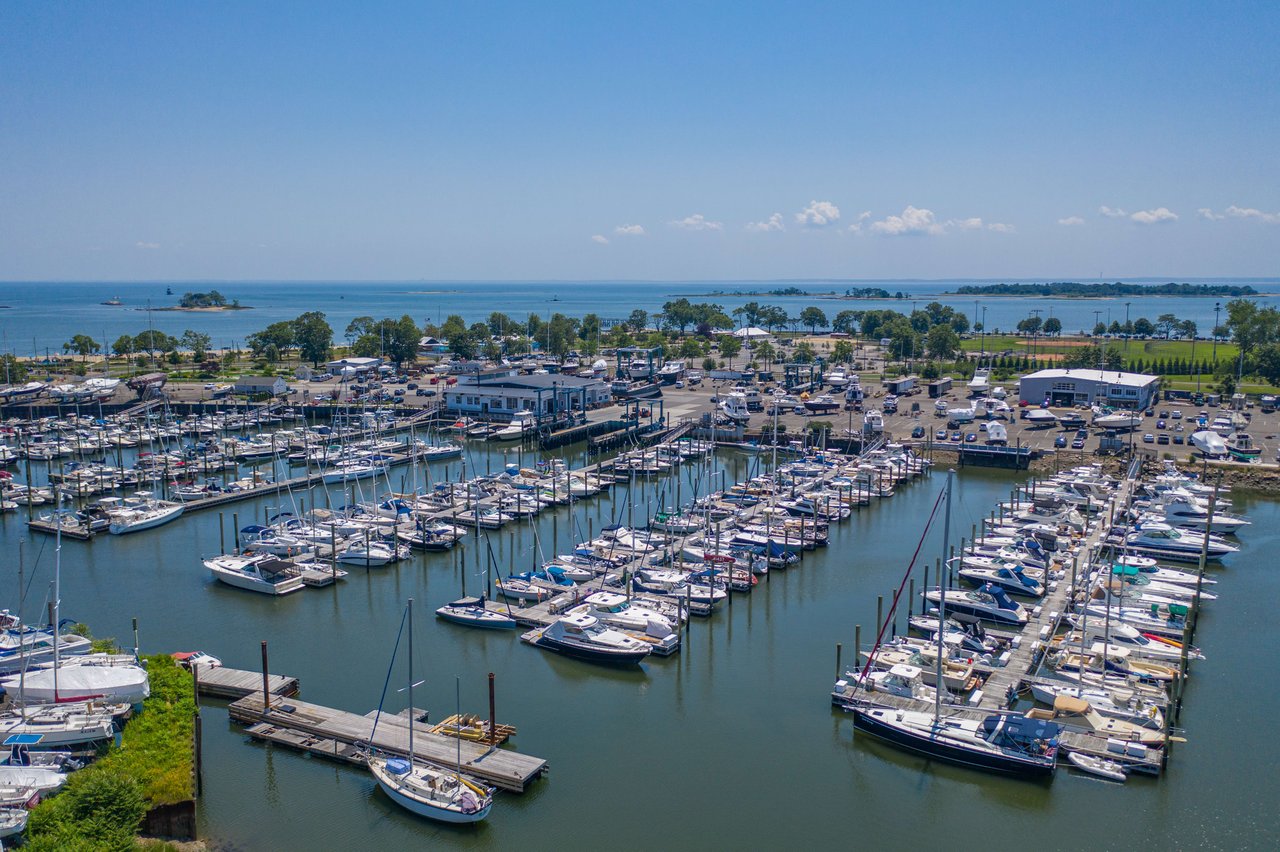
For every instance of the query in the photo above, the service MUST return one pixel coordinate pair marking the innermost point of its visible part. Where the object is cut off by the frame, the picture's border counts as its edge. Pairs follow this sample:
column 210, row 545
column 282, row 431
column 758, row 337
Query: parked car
column 1077, row 444
column 1163, row 439
column 1160, row 424
column 1148, row 438
column 917, row 432
column 971, row 438
column 957, row 437
column 1178, row 439
column 1060, row 442
column 1176, row 414
column 940, row 435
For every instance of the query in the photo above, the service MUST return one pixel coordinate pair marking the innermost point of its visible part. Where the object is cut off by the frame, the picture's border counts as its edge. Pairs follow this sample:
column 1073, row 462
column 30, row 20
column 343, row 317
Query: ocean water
column 37, row 318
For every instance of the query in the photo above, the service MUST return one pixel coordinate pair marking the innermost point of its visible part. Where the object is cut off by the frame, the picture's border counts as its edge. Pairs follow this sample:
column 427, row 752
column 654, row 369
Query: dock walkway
column 223, row 682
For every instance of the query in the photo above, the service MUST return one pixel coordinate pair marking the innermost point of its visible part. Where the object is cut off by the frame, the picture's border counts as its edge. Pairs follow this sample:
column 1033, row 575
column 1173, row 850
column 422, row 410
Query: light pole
column 984, row 329
column 1096, row 314
column 1217, row 309
column 1128, row 332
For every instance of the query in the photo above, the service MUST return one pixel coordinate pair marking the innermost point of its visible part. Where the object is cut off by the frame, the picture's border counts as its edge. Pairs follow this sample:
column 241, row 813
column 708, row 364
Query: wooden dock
column 336, row 733
column 223, row 682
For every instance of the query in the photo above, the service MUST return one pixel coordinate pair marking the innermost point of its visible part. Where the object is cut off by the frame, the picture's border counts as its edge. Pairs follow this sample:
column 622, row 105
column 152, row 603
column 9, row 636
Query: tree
column 152, row 341
column 1165, row 324
column 1143, row 327
column 123, row 345
column 500, row 325
column 638, row 320
column 773, row 318
column 690, row 348
column 730, row 346
column 749, row 314
column 804, row 353
column 842, row 352
column 13, row 371
column 930, row 370
column 589, row 330
column 1030, row 325
column 1053, row 326
column 765, row 352
column 846, row 322
column 941, row 341
column 83, row 345
column 813, row 317
column 708, row 363
column 1115, row 327
column 279, row 336
column 197, row 342
column 1100, row 329
column 358, row 327
column 1188, row 329
column 314, row 337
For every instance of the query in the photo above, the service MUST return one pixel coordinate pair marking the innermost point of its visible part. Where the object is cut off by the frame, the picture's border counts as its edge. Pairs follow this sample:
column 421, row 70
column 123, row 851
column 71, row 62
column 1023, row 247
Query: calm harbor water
column 730, row 743
column 40, row 316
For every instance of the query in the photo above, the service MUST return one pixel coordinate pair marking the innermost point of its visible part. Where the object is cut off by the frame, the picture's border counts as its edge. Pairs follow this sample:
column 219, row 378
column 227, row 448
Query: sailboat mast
column 457, row 697
column 410, row 682
column 938, row 684
column 57, row 587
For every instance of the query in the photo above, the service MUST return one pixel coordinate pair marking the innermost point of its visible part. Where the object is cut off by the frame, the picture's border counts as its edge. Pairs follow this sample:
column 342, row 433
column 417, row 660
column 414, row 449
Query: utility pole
column 1217, row 309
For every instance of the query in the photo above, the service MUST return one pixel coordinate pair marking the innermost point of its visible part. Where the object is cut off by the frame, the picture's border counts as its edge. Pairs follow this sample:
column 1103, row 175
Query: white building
column 351, row 366
column 1089, row 387
column 253, row 385
column 498, row 394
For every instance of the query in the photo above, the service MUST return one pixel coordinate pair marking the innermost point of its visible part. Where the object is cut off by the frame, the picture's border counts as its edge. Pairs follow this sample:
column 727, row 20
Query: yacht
column 368, row 554
column 473, row 613
column 1117, row 419
column 1040, row 417
column 1163, row 540
column 1209, row 443
column 671, row 372
column 614, row 610
column 639, row 369
column 823, row 404
column 350, row 471
column 734, row 406
column 1009, row 577
column 838, row 379
column 1241, row 448
column 141, row 512
column 990, row 603
column 257, row 573
column 1012, row 745
column 583, row 636
column 522, row 423
column 981, row 382
column 873, row 422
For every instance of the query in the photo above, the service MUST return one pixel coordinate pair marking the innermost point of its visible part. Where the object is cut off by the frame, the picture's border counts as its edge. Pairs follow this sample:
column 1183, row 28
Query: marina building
column 253, row 385
column 350, row 366
column 500, row 393
column 1089, row 387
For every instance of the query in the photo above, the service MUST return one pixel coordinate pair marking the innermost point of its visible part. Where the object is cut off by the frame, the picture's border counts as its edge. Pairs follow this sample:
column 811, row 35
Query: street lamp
column 984, row 329
column 1217, row 309
column 1128, row 332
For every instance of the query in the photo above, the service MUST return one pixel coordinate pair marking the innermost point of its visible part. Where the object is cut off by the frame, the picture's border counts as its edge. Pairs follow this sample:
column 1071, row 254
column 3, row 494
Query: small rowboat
column 1101, row 767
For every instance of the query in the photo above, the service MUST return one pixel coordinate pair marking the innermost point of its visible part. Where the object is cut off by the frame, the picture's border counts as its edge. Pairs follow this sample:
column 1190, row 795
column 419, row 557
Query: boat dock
column 329, row 732
column 233, row 684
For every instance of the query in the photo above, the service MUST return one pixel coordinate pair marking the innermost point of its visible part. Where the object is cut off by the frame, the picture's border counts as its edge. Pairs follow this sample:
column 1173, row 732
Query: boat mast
column 457, row 695
column 411, row 685
column 57, row 587
column 938, row 684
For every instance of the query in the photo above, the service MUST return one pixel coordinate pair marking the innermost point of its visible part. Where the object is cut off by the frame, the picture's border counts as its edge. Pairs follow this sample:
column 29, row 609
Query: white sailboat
column 426, row 790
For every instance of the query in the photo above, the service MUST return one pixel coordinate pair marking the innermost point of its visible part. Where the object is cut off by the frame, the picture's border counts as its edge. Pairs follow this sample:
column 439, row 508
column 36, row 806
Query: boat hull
column 939, row 749
column 592, row 655
column 425, row 809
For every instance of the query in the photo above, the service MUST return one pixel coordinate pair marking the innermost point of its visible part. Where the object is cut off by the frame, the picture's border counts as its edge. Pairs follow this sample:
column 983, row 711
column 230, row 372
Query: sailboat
column 426, row 790
column 1012, row 745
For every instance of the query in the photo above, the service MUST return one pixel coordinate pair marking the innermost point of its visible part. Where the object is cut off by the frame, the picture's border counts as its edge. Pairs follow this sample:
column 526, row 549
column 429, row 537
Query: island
column 211, row 301
column 1075, row 290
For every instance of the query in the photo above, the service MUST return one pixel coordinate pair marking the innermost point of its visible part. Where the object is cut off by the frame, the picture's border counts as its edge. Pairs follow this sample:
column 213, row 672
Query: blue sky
column 638, row 140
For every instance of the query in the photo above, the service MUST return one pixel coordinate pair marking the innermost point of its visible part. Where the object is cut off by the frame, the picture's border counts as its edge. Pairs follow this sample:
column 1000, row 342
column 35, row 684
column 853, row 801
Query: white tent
column 751, row 333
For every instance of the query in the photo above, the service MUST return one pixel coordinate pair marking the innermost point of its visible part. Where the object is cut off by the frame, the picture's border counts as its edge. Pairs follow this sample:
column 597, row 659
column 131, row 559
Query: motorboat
column 614, row 610
column 1126, row 704
column 256, row 573
column 1162, row 540
column 980, row 383
column 522, row 423
column 838, row 379
column 823, row 404
column 1039, row 418
column 671, row 372
column 1210, row 443
column 734, row 406
column 1008, row 576
column 873, row 422
column 583, row 637
column 91, row 677
column 902, row 680
column 1241, row 448
column 369, row 554
column 1007, row 744
column 472, row 612
column 1119, row 420
column 1099, row 766
column 989, row 602
column 352, row 470
column 141, row 512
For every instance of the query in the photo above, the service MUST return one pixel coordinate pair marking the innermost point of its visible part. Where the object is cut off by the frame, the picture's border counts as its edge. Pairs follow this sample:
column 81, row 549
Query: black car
column 917, row 432
column 1162, row 439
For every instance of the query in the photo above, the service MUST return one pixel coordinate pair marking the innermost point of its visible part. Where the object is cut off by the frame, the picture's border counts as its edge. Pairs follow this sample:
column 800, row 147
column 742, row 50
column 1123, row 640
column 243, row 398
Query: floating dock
column 233, row 684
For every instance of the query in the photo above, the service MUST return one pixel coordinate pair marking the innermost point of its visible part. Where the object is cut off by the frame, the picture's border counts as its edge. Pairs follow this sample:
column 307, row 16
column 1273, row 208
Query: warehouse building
column 498, row 394
column 1089, row 387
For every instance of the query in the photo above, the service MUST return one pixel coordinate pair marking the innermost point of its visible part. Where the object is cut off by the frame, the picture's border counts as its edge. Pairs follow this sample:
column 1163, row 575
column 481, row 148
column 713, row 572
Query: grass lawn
column 1136, row 348
column 1207, row 382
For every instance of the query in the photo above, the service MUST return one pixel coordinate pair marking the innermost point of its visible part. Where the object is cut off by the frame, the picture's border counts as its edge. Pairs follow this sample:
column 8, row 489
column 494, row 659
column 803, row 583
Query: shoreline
column 210, row 309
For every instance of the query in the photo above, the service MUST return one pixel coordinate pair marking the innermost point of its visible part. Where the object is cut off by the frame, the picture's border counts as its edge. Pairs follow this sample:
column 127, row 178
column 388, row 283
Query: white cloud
column 818, row 214
column 1001, row 228
column 773, row 223
column 1112, row 212
column 629, row 230
column 1252, row 213
column 1154, row 217
column 913, row 221
column 856, row 227
column 600, row 239
column 973, row 223
column 148, row 246
column 697, row 222
column 1071, row 220
column 1206, row 213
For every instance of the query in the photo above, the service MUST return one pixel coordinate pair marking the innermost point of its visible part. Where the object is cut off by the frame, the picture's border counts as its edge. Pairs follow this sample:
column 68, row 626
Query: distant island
column 1074, row 290
column 211, row 301
column 781, row 291
column 869, row 293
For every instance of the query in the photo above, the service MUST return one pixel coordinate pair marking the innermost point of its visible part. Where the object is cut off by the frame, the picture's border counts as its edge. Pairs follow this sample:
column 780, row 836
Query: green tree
column 83, row 345
column 942, row 341
column 846, row 322
column 1053, row 326
column 708, row 364
column 589, row 330
column 813, row 317
column 314, row 337
column 12, row 371
column 730, row 346
column 1143, row 327
column 501, row 325
column 1030, row 325
column 639, row 320
column 197, row 343
column 123, row 345
column 278, row 337
column 773, row 318
column 803, row 353
column 152, row 341
column 842, row 352
column 749, row 314
column 690, row 348
column 357, row 328
column 1188, row 329
column 765, row 352
column 1100, row 329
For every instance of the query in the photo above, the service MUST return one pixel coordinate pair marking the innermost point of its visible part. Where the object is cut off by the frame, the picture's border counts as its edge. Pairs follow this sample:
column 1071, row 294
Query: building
column 254, row 385
column 1089, row 387
column 353, row 366
column 500, row 393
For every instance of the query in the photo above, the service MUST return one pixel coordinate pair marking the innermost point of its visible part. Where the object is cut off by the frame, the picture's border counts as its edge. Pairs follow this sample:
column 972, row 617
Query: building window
column 1064, row 386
